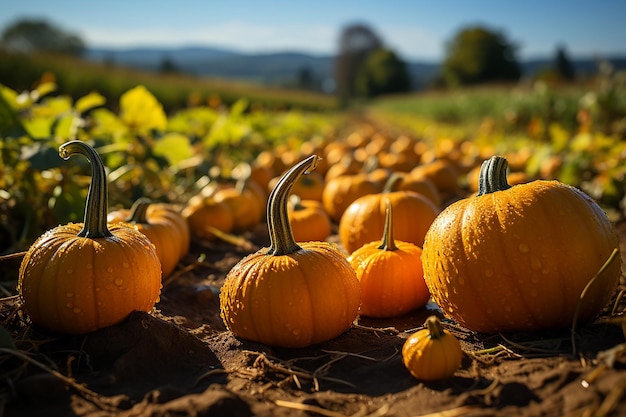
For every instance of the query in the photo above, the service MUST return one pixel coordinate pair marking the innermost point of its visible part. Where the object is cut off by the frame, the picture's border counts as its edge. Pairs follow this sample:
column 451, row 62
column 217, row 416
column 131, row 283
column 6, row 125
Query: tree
column 382, row 73
column 477, row 55
column 356, row 42
column 562, row 65
column 40, row 36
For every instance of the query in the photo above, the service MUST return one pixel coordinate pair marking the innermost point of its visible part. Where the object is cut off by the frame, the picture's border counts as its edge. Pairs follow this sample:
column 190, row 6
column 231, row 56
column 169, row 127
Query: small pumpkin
column 246, row 202
column 364, row 219
column 80, row 277
column 204, row 213
column 308, row 220
column 517, row 258
column 433, row 353
column 340, row 192
column 163, row 225
column 390, row 274
column 290, row 294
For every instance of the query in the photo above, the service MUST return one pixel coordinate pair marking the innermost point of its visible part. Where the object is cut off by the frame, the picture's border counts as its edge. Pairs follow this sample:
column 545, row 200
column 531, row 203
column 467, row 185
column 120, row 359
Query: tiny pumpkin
column 390, row 274
column 517, row 258
column 433, row 353
column 81, row 277
column 245, row 200
column 290, row 294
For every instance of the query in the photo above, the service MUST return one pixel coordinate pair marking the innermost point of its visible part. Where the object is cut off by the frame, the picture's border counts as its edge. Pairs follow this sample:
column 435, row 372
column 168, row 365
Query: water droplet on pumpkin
column 110, row 270
column 126, row 265
column 70, row 271
column 119, row 282
column 523, row 248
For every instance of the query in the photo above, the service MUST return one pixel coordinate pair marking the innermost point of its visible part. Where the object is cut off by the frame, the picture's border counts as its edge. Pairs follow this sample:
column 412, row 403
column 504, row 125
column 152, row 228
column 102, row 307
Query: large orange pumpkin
column 518, row 258
column 290, row 294
column 77, row 278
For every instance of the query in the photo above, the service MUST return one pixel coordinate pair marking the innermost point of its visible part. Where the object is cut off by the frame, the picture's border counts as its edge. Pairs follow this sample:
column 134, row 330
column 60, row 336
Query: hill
column 290, row 68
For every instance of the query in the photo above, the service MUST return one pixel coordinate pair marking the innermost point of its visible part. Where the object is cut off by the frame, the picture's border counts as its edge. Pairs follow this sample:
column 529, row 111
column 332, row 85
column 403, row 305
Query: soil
column 180, row 360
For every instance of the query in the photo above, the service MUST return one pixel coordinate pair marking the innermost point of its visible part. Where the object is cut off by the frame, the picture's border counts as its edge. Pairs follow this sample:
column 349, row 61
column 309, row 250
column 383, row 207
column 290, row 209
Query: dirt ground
column 181, row 361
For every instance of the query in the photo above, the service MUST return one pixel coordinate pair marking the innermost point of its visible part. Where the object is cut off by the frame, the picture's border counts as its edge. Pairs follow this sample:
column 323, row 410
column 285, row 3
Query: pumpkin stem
column 95, row 223
column 139, row 211
column 435, row 329
column 282, row 241
column 388, row 242
column 392, row 182
column 295, row 202
column 492, row 175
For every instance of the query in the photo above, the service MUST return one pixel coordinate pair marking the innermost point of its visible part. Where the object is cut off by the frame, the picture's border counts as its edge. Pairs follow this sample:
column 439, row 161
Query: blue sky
column 416, row 29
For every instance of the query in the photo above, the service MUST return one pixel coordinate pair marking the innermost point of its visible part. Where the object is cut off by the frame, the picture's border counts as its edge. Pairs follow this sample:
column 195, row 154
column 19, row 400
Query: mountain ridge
column 284, row 68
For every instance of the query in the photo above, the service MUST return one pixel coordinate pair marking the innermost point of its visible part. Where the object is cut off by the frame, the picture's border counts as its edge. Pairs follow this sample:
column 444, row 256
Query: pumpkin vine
column 96, row 207
column 282, row 241
column 492, row 175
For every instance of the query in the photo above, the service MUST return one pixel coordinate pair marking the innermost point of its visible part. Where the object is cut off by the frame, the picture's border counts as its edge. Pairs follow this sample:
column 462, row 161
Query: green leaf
column 141, row 111
column 10, row 124
column 174, row 147
column 89, row 101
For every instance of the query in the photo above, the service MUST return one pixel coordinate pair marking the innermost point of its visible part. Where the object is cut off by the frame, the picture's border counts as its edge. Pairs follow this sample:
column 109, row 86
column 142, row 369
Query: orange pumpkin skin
column 364, row 219
column 81, row 277
column 341, row 191
column 290, row 294
column 164, row 227
column 518, row 259
column 392, row 281
column 320, row 296
column 205, row 213
column 309, row 221
column 76, row 285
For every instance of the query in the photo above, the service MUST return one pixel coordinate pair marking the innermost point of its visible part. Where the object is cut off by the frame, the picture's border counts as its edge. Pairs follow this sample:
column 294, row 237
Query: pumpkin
column 364, row 219
column 204, row 214
column 390, row 274
column 442, row 173
column 308, row 187
column 517, row 258
column 308, row 219
column 422, row 186
column 245, row 201
column 433, row 353
column 80, row 277
column 290, row 294
column 166, row 228
column 340, row 192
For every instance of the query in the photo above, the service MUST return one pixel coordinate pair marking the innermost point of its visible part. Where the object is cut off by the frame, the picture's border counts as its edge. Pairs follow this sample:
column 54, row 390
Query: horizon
column 416, row 31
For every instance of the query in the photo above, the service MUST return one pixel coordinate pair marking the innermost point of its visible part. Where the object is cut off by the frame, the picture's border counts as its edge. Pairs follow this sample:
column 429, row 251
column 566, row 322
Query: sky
column 415, row 29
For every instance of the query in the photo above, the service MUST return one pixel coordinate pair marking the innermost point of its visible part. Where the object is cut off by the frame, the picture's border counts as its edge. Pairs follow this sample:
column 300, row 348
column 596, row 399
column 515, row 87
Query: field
column 180, row 358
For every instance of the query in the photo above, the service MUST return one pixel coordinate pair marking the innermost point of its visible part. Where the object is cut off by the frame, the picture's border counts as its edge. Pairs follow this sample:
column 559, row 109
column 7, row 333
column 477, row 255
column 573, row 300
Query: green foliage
column 383, row 73
column 478, row 55
column 77, row 78
column 147, row 153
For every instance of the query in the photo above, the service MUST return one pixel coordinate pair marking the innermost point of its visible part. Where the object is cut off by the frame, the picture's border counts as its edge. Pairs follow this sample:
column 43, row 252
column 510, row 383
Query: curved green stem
column 394, row 179
column 95, row 224
column 282, row 241
column 139, row 211
column 492, row 175
column 388, row 242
